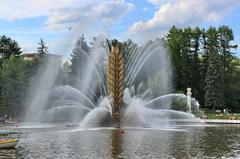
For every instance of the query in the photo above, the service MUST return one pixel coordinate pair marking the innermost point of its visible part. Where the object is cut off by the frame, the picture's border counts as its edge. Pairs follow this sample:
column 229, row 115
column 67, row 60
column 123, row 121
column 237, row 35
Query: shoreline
column 221, row 121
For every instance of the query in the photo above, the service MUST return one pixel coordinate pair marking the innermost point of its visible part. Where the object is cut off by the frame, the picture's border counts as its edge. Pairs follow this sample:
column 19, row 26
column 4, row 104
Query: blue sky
column 27, row 21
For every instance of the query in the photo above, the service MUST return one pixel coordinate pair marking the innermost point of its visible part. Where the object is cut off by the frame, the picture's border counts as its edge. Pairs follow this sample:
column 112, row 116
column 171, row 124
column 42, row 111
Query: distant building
column 30, row 56
column 65, row 64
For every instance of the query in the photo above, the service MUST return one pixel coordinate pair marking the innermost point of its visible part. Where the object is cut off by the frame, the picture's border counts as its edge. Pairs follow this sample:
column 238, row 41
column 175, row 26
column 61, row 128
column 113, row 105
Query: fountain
column 116, row 81
column 133, row 85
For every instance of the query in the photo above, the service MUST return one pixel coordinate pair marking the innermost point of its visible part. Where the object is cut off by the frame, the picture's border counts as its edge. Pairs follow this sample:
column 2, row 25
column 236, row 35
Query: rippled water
column 182, row 141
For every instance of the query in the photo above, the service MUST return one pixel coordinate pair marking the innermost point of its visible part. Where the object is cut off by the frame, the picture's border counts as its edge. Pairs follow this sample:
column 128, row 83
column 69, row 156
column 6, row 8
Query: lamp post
column 189, row 105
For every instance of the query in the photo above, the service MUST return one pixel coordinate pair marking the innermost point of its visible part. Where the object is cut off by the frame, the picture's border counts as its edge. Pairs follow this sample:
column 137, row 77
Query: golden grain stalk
column 116, row 78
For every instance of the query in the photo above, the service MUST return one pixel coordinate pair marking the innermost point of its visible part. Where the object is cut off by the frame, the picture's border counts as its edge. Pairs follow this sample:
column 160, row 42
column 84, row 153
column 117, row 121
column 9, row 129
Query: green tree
column 174, row 40
column 203, row 59
column 183, row 56
column 225, row 38
column 13, row 84
column 79, row 57
column 232, row 95
column 186, row 55
column 42, row 49
column 193, row 52
column 195, row 62
column 214, row 92
column 9, row 47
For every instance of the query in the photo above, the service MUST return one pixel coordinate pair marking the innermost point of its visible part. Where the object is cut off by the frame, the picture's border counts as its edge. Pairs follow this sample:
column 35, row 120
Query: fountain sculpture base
column 114, row 121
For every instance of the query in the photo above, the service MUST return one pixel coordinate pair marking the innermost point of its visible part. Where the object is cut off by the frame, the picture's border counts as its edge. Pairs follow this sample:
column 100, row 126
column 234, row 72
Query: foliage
column 42, row 49
column 15, row 76
column 203, row 60
column 79, row 58
column 13, row 83
column 214, row 96
column 9, row 47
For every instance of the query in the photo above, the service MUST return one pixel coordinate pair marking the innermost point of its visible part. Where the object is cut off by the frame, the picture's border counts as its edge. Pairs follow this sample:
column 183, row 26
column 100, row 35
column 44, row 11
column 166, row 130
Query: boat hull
column 8, row 143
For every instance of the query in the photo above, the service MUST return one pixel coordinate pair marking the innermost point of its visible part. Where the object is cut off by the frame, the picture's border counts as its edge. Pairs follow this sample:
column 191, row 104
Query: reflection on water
column 10, row 153
column 57, row 142
column 117, row 141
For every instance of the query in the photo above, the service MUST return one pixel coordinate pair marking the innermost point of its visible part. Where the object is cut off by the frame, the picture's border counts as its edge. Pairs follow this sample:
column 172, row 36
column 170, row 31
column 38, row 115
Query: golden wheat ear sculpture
column 116, row 78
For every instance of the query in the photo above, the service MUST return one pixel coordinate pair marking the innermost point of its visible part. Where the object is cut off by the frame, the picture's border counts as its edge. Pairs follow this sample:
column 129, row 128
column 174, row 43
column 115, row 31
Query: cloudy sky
column 60, row 22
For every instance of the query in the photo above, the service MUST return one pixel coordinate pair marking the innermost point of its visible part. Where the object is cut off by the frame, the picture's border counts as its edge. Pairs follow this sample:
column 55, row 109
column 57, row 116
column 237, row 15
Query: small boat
column 11, row 122
column 8, row 143
column 71, row 125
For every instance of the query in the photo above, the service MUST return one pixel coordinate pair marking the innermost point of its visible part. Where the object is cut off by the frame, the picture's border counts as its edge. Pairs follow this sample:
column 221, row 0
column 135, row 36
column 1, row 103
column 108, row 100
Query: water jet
column 133, row 85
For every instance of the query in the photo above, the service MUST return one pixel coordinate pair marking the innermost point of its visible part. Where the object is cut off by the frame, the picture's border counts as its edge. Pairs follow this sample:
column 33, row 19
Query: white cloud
column 63, row 12
column 85, row 14
column 18, row 9
column 158, row 2
column 182, row 13
column 154, row 1
column 81, row 15
column 90, row 19
column 145, row 9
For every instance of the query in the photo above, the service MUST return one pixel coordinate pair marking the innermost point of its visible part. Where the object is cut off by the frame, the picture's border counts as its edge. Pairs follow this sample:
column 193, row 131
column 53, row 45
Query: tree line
column 16, row 74
column 205, row 60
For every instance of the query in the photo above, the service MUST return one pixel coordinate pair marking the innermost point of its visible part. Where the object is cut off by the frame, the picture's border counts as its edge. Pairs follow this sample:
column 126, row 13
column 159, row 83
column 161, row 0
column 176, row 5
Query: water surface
column 182, row 141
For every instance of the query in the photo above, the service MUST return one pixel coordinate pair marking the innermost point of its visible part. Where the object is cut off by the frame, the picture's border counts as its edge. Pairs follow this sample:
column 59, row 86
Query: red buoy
column 121, row 131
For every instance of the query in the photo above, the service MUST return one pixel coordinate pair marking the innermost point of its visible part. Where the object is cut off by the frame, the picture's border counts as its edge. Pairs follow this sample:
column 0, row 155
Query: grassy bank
column 225, row 116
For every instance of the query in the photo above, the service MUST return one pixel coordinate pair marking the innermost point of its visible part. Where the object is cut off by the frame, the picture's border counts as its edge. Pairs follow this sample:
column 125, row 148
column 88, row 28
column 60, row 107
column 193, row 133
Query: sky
column 60, row 22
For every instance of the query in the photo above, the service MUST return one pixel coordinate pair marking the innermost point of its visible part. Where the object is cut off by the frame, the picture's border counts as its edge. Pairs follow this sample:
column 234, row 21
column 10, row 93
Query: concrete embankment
column 220, row 121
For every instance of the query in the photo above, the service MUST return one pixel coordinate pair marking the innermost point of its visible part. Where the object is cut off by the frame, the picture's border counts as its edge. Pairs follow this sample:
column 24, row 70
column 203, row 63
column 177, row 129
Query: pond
column 181, row 141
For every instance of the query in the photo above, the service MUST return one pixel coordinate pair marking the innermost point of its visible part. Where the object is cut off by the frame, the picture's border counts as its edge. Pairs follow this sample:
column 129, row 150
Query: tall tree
column 225, row 37
column 204, row 56
column 9, row 47
column 186, row 55
column 42, row 49
column 233, row 95
column 195, row 62
column 190, row 51
column 79, row 58
column 174, row 38
column 214, row 92
column 13, row 84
